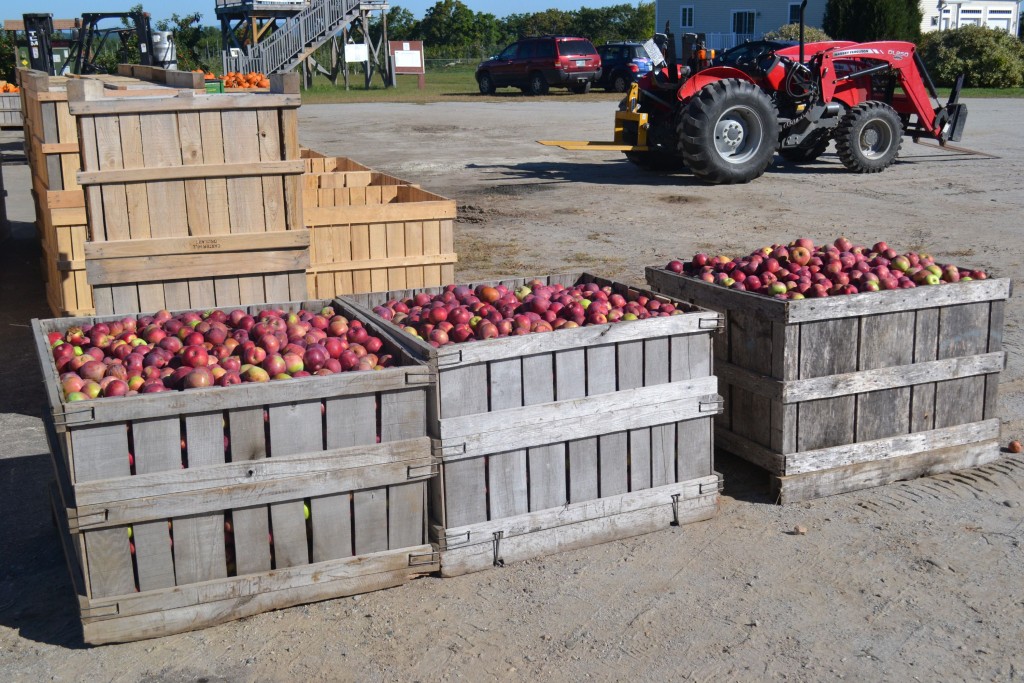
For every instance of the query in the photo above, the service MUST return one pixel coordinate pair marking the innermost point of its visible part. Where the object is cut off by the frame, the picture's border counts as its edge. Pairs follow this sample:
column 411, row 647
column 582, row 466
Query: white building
column 729, row 22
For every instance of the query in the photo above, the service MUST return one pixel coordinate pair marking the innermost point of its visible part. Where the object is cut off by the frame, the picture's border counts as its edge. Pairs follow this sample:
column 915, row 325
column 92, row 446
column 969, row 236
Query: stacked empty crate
column 842, row 393
column 192, row 200
column 549, row 442
column 51, row 146
column 373, row 232
column 183, row 510
column 10, row 111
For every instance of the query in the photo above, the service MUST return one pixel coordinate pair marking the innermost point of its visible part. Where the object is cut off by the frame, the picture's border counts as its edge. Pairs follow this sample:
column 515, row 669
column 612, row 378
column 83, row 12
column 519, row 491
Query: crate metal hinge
column 72, row 417
column 455, row 541
column 423, row 471
column 499, row 561
column 450, row 358
column 78, row 522
column 715, row 405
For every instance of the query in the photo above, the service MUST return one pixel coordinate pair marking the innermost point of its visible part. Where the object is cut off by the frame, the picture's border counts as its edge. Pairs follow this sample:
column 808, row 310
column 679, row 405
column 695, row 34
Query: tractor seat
column 662, row 82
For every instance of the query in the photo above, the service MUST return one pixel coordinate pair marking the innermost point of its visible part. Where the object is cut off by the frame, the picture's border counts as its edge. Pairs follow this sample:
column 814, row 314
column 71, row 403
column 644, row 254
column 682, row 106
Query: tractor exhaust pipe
column 803, row 6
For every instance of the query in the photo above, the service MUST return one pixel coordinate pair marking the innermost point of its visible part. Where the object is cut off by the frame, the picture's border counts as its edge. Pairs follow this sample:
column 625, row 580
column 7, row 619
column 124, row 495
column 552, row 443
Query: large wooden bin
column 550, row 442
column 10, row 111
column 843, row 393
column 192, row 200
column 353, row 447
column 373, row 232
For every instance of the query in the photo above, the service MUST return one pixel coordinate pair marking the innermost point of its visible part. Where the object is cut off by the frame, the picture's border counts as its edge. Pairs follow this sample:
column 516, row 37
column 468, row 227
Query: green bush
column 812, row 34
column 988, row 57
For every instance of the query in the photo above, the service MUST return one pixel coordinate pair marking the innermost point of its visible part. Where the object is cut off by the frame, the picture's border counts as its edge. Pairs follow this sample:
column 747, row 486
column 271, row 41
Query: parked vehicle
column 536, row 64
column 621, row 64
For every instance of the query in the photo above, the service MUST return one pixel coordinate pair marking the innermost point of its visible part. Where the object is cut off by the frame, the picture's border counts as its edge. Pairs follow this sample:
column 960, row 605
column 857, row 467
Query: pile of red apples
column 192, row 350
column 801, row 270
column 461, row 313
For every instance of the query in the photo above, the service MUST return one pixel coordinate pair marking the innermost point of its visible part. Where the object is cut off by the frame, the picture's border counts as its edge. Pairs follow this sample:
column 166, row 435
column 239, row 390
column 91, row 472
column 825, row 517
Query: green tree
column 449, row 23
column 7, row 48
column 401, row 24
column 792, row 32
column 869, row 20
column 987, row 57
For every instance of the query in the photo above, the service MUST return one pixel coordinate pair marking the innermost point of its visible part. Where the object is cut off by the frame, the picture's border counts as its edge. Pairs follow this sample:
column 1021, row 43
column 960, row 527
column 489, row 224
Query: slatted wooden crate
column 380, row 236
column 353, row 447
column 550, row 442
column 10, row 111
column 5, row 225
column 170, row 177
column 52, row 149
column 843, row 393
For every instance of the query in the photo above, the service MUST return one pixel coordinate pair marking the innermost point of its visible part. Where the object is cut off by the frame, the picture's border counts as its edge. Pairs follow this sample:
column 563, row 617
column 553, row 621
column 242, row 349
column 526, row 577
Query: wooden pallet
column 378, row 235
column 838, row 394
column 170, row 177
column 353, row 447
column 573, row 427
column 10, row 111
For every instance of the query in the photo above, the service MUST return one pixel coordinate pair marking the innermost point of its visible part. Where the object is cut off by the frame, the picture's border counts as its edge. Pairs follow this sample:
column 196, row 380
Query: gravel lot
column 918, row 580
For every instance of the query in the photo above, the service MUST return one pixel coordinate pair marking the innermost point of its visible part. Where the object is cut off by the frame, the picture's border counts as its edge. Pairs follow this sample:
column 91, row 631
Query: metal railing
column 724, row 41
column 308, row 29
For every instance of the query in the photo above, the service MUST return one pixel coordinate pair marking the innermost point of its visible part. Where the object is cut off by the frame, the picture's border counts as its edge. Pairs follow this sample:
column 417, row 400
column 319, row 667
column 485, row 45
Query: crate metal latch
column 421, row 471
column 446, row 359
column 716, row 323
column 424, row 559
column 111, row 610
column 675, row 510
column 715, row 405
column 70, row 418
column 456, row 541
column 79, row 522
column 498, row 560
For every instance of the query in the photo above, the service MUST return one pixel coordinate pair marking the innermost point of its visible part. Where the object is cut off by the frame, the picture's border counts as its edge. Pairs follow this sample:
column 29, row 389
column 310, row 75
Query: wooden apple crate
column 52, row 149
column 352, row 446
column 379, row 235
column 10, row 111
column 551, row 442
column 844, row 393
column 170, row 177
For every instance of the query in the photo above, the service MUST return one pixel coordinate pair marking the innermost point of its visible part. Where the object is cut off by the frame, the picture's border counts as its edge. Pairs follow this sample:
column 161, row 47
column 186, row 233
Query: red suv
column 536, row 64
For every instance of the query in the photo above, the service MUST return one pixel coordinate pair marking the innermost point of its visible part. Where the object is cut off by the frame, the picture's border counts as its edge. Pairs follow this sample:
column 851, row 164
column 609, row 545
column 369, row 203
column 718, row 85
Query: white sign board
column 408, row 59
column 356, row 52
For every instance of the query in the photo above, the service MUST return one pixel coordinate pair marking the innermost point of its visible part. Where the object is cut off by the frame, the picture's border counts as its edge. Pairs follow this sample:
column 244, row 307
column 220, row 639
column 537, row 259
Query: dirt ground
column 918, row 580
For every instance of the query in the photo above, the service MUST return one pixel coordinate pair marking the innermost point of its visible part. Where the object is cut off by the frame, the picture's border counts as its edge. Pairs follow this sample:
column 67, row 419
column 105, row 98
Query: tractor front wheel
column 728, row 132
column 869, row 137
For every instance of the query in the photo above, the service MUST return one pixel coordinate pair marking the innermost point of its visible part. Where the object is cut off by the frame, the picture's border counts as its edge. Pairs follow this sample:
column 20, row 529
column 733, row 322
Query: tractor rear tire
column 869, row 137
column 728, row 132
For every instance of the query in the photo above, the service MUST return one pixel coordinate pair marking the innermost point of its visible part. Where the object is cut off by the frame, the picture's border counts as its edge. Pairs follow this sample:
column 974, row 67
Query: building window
column 794, row 13
column 743, row 22
column 686, row 17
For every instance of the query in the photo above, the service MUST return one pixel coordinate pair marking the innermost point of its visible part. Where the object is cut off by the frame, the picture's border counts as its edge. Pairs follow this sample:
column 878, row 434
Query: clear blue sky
column 160, row 9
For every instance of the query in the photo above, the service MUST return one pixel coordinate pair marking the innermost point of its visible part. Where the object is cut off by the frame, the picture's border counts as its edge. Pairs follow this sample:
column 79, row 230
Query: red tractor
column 725, row 124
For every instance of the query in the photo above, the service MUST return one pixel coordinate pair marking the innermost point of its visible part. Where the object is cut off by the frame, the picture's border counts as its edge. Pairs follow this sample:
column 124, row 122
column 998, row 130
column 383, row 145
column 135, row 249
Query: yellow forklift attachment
column 630, row 131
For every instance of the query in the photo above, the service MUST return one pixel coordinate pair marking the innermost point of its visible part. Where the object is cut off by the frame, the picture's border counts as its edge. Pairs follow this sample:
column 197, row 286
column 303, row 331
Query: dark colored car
column 622, row 64
column 746, row 56
column 536, row 64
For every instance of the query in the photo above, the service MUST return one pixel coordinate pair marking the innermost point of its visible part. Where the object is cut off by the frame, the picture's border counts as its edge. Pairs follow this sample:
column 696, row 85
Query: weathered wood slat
column 249, row 482
column 577, row 525
column 629, row 409
column 195, row 245
column 186, row 266
column 189, row 607
column 859, row 382
column 801, row 487
column 161, row 173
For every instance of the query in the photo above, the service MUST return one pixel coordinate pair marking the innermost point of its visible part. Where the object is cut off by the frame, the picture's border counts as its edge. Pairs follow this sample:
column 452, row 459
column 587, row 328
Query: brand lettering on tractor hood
column 899, row 54
column 858, row 51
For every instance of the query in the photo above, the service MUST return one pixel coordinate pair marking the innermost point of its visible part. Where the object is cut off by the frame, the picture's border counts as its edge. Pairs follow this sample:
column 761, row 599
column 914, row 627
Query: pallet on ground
column 380, row 236
column 847, row 392
column 10, row 111
column 175, row 468
column 562, row 440
column 184, row 186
